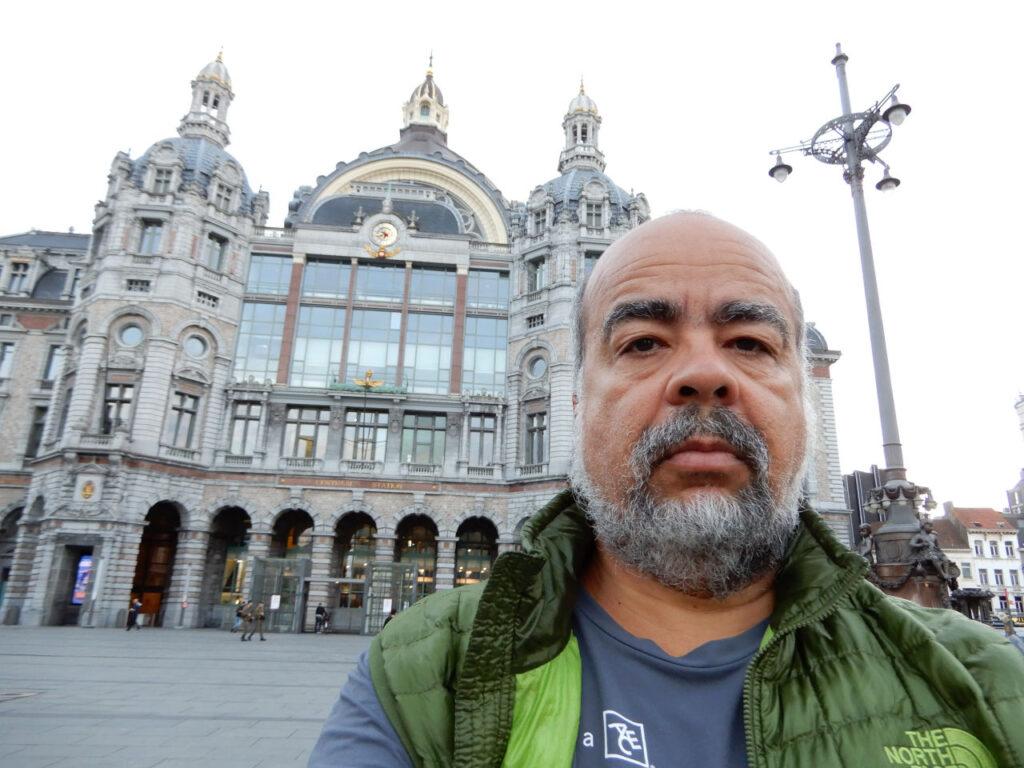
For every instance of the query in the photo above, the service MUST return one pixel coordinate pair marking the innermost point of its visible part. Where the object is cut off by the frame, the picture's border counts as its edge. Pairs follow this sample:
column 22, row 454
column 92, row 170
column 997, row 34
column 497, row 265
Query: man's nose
column 701, row 375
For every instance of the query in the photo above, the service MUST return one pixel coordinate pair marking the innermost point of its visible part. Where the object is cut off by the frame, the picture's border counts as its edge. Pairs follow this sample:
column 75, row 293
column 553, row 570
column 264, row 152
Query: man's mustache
column 658, row 442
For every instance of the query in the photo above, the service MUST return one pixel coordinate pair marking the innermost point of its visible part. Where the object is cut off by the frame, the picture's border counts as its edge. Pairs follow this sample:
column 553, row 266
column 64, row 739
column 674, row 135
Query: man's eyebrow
column 660, row 310
column 753, row 312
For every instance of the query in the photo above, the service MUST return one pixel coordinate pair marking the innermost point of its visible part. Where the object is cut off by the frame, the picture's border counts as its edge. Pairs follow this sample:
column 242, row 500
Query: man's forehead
column 726, row 261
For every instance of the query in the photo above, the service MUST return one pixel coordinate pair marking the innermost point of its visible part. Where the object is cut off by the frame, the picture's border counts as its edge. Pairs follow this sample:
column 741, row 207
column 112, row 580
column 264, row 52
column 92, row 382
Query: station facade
column 356, row 408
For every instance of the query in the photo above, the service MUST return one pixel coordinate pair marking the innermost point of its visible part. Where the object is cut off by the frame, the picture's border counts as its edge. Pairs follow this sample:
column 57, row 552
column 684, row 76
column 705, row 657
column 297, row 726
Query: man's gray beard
column 712, row 544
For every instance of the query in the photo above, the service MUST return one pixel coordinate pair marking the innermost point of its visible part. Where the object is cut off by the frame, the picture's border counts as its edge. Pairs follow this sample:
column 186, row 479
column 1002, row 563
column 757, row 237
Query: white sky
column 693, row 97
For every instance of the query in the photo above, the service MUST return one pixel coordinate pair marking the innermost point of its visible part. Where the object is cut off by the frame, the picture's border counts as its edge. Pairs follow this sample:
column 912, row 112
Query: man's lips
column 703, row 455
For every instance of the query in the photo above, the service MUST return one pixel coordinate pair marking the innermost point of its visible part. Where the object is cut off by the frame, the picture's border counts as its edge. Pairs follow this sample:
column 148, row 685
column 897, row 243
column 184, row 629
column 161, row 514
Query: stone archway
column 224, row 571
column 416, row 543
column 292, row 535
column 475, row 549
column 155, row 563
column 8, row 540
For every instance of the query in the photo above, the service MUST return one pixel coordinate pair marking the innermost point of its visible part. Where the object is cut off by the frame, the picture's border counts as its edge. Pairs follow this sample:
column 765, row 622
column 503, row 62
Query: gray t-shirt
column 639, row 707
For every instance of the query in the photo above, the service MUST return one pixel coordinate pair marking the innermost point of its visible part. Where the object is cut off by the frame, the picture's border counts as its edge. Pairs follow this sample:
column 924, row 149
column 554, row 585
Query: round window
column 537, row 367
column 195, row 346
column 130, row 335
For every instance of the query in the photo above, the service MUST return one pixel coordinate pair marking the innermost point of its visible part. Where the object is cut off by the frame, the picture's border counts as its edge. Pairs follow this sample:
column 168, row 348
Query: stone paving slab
column 165, row 698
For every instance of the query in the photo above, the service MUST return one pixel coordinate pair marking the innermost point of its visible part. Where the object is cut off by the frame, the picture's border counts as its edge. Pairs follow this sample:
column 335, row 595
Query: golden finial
column 581, row 83
column 220, row 56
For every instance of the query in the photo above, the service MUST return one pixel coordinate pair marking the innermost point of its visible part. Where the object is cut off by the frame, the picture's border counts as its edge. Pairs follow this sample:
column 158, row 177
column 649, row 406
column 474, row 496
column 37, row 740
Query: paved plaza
column 84, row 698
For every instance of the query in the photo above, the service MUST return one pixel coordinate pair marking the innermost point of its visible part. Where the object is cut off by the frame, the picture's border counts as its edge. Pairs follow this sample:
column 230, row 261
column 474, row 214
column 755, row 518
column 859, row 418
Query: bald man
column 680, row 605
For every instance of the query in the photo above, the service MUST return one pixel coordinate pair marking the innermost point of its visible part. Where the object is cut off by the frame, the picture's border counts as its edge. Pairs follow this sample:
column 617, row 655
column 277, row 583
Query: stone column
column 16, row 596
column 320, row 568
column 444, row 569
column 259, row 546
column 186, row 581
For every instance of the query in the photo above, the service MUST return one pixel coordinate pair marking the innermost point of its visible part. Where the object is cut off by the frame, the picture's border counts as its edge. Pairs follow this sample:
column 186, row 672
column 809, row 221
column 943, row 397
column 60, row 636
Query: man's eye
column 747, row 344
column 645, row 344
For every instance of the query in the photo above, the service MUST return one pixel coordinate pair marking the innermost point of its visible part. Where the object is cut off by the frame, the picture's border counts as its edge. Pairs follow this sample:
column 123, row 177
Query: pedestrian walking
column 240, row 614
column 321, row 618
column 255, row 622
column 133, row 615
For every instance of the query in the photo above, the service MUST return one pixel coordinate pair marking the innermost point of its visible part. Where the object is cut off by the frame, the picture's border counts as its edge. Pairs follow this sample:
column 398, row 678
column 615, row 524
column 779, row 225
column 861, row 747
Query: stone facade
column 377, row 391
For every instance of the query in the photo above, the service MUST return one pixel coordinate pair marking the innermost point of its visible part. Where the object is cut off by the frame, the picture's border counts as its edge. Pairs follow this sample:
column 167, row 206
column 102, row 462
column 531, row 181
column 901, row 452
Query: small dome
column 582, row 103
column 429, row 89
column 200, row 159
column 815, row 341
column 216, row 71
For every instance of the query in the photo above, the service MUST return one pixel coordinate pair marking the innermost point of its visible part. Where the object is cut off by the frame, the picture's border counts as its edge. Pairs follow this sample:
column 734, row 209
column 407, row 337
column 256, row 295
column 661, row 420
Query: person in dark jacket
column 133, row 614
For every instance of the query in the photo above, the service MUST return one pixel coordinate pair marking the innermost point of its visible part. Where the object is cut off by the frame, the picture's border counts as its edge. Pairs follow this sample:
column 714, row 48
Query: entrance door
column 285, row 578
column 156, row 561
column 72, row 580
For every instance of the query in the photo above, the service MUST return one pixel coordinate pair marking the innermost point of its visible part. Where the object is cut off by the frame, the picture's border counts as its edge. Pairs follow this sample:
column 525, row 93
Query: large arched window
column 293, row 535
column 155, row 562
column 355, row 542
column 227, row 552
column 416, row 543
column 475, row 550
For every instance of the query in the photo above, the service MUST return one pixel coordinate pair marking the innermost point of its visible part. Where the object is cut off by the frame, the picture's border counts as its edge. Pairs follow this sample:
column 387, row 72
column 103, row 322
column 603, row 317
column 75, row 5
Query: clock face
column 384, row 233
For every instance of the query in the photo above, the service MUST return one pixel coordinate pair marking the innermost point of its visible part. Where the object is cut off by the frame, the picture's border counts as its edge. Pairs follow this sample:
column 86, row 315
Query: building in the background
column 357, row 408
column 987, row 550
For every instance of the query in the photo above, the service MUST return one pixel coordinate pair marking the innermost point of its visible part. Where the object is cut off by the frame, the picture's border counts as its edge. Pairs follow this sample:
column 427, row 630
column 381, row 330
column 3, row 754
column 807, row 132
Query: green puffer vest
column 847, row 676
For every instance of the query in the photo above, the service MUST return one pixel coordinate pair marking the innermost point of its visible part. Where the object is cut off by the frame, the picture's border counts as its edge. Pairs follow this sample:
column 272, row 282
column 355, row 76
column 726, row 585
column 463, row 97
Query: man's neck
column 677, row 623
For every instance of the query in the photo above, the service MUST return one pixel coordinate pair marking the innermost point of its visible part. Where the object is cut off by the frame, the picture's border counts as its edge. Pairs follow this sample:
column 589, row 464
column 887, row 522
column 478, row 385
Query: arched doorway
column 475, row 550
column 354, row 549
column 225, row 568
column 156, row 560
column 416, row 543
column 293, row 535
column 8, row 540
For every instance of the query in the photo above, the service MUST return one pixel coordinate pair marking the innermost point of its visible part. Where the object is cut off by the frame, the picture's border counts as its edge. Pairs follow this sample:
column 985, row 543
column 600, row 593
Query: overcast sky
column 693, row 99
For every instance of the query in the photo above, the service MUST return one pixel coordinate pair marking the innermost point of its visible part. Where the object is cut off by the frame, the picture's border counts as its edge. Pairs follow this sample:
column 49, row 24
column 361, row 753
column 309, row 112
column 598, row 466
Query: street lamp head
column 896, row 112
column 780, row 171
column 888, row 183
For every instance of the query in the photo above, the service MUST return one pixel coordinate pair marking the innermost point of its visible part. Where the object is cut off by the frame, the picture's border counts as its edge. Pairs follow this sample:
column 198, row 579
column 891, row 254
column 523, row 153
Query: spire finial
column 581, row 83
column 220, row 55
column 430, row 66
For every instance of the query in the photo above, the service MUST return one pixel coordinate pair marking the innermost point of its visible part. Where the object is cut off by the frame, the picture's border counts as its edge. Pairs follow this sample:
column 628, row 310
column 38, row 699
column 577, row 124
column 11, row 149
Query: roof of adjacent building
column 982, row 519
column 62, row 241
column 950, row 535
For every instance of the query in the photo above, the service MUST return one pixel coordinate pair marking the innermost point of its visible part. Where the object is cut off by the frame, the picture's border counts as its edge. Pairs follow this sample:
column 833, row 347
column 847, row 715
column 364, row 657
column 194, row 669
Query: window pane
column 380, row 282
column 244, row 426
column 374, row 339
column 435, row 287
column 428, row 353
column 259, row 341
column 316, row 354
column 326, row 279
column 269, row 274
column 366, row 435
column 484, row 352
column 487, row 290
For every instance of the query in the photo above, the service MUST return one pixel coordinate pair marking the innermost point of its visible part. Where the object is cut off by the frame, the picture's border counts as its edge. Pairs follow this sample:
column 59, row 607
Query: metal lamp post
column 849, row 140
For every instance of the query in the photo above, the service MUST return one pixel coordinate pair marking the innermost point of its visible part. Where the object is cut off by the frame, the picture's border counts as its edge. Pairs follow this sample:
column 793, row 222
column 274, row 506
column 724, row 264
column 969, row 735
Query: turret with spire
column 581, row 125
column 211, row 96
column 426, row 106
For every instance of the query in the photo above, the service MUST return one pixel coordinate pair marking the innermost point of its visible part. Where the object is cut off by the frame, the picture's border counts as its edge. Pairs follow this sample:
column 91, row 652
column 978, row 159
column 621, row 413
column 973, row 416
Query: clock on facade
column 384, row 233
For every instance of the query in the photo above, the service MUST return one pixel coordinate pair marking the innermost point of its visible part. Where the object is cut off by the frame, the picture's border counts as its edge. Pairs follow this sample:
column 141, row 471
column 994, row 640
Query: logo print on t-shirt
column 624, row 739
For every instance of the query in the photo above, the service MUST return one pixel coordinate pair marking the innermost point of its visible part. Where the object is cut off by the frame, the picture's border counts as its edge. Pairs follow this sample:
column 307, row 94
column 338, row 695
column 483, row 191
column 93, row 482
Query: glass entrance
column 283, row 577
